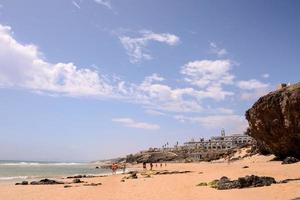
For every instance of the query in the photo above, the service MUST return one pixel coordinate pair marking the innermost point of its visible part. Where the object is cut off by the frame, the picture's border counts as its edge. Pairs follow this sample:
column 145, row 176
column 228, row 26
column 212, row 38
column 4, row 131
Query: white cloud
column 211, row 75
column 153, row 94
column 234, row 123
column 251, row 84
column 266, row 75
column 23, row 66
column 128, row 122
column 154, row 112
column 252, row 89
column 203, row 73
column 136, row 47
column 214, row 49
column 106, row 3
column 76, row 4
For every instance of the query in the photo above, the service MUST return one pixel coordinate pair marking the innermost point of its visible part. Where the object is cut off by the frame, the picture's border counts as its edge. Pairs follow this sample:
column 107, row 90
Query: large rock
column 274, row 121
column 46, row 182
column 243, row 182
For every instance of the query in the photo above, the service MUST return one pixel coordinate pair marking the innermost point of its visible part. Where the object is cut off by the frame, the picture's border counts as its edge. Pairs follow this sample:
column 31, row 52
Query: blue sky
column 94, row 79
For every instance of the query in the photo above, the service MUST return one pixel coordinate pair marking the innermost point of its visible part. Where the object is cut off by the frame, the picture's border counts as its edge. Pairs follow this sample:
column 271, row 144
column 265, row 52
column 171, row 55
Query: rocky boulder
column 274, row 121
column 46, row 182
column 243, row 182
column 289, row 160
column 22, row 183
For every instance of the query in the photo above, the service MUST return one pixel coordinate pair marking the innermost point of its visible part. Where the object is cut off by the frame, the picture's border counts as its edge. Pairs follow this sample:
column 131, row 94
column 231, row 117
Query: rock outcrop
column 289, row 160
column 46, row 182
column 152, row 157
column 225, row 183
column 274, row 121
column 22, row 183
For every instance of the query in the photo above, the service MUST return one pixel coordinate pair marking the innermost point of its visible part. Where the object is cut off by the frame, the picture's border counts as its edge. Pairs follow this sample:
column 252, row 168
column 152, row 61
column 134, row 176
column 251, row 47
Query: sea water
column 13, row 171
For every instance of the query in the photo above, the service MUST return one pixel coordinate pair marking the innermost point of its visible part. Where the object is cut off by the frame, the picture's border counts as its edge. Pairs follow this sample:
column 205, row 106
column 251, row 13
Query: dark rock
column 46, row 182
column 202, row 184
column 67, row 186
column 77, row 180
column 84, row 176
column 243, row 182
column 77, row 176
column 245, row 167
column 274, row 121
column 132, row 175
column 97, row 167
column 22, row 183
column 289, row 180
column 92, row 184
column 165, row 172
column 289, row 160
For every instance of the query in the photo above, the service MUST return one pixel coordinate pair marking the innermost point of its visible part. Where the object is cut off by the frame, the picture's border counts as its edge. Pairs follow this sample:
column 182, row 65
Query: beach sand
column 172, row 187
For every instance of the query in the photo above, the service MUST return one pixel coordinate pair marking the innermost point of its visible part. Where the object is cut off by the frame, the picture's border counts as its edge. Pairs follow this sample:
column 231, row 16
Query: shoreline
column 171, row 186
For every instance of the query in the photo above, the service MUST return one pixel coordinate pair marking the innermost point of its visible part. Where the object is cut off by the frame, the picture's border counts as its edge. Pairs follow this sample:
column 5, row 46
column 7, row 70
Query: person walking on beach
column 114, row 168
column 124, row 168
column 160, row 164
column 151, row 166
column 144, row 166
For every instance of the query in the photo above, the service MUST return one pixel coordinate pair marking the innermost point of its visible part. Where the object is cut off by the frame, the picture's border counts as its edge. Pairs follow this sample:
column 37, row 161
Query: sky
column 84, row 80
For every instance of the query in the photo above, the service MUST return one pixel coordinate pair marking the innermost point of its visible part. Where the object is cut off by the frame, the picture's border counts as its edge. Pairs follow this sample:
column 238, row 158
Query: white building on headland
column 220, row 142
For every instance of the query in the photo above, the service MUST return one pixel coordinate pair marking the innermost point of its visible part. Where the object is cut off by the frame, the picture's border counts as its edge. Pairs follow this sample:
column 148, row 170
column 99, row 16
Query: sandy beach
column 172, row 187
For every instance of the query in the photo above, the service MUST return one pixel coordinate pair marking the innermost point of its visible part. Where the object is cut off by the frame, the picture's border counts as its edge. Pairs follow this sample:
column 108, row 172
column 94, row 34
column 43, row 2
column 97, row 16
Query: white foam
column 37, row 163
column 13, row 178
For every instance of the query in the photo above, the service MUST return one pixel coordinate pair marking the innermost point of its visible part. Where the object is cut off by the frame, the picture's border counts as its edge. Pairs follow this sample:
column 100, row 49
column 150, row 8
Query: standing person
column 151, row 166
column 165, row 164
column 155, row 164
column 124, row 168
column 144, row 166
column 160, row 164
column 113, row 168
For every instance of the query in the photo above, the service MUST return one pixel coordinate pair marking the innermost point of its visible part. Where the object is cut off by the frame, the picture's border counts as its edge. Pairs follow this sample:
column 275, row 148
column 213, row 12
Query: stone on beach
column 224, row 183
column 46, row 182
column 290, row 160
column 22, row 183
column 77, row 180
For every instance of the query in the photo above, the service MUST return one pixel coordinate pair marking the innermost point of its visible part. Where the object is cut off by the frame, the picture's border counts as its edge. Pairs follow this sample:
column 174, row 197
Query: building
column 220, row 142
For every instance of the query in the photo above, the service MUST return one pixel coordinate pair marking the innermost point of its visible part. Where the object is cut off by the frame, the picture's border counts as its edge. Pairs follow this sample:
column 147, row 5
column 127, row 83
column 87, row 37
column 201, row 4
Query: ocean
column 13, row 171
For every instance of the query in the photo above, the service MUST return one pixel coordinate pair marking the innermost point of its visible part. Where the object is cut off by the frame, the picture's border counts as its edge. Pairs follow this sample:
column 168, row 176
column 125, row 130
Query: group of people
column 115, row 167
column 151, row 165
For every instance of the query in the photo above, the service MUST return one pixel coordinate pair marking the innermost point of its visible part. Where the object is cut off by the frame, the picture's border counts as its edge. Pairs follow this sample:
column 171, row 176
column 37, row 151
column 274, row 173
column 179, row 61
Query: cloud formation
column 128, row 122
column 105, row 3
column 214, row 49
column 233, row 122
column 210, row 75
column 76, row 4
column 23, row 66
column 252, row 89
column 136, row 47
